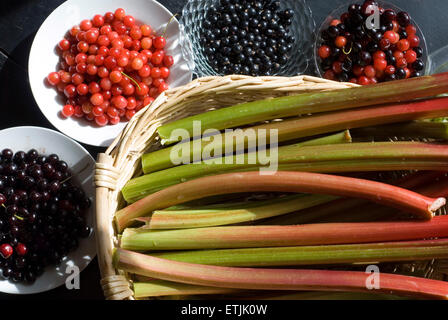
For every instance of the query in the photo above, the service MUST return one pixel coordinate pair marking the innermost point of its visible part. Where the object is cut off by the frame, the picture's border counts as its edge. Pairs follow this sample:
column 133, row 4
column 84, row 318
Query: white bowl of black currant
column 368, row 42
column 46, row 212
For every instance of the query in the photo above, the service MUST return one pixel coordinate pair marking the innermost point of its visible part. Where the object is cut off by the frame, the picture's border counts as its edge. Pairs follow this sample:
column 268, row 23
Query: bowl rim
column 383, row 3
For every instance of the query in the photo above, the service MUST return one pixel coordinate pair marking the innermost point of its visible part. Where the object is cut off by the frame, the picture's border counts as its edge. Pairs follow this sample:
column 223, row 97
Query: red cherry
column 379, row 55
column 129, row 21
column 168, row 61
column 85, row 25
column 98, row 20
column 329, row 74
column 340, row 41
column 159, row 42
column 337, row 67
column 403, row 45
column 414, row 40
column 390, row 69
column 64, row 45
column 410, row 56
column 369, row 71
column 324, row 52
column 68, row 110
column 54, row 78
column 358, row 70
column 362, row 80
column 401, row 63
column 146, row 30
column 380, row 64
column 101, row 120
column 120, row 14
column 6, row 250
column 410, row 30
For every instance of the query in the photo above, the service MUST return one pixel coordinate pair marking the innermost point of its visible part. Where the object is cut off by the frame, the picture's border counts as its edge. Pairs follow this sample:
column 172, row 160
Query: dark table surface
column 19, row 22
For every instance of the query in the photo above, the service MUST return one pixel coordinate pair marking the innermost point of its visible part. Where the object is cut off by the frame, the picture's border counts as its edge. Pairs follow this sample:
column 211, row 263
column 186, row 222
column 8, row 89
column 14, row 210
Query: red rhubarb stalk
column 275, row 279
column 278, row 236
column 355, row 209
column 299, row 182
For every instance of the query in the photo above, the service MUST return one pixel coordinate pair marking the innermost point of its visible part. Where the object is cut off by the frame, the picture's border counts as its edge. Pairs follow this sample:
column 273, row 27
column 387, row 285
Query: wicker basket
column 121, row 161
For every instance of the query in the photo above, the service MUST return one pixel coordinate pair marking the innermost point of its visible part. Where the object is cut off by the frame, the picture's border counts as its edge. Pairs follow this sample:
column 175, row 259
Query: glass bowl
column 193, row 45
column 336, row 14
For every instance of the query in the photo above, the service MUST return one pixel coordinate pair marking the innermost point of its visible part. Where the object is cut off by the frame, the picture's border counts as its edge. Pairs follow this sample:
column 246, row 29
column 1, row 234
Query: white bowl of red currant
column 94, row 64
column 366, row 42
column 46, row 210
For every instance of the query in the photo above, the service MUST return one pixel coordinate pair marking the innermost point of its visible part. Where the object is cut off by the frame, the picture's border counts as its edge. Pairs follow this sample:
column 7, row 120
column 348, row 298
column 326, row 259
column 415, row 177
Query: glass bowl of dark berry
column 261, row 37
column 366, row 42
column 46, row 210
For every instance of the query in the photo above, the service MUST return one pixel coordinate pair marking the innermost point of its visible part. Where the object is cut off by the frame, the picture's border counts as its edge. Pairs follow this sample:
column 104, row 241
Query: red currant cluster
column 110, row 68
column 353, row 52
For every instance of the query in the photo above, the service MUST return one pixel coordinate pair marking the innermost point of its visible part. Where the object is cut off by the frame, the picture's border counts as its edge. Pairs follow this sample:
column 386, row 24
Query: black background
column 19, row 22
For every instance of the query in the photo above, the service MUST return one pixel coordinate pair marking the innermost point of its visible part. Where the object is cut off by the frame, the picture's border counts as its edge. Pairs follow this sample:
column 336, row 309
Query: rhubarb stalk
column 285, row 181
column 156, row 288
column 182, row 219
column 354, row 210
column 301, row 127
column 274, row 279
column 415, row 129
column 379, row 156
column 161, row 159
column 281, row 236
column 274, row 108
column 315, row 255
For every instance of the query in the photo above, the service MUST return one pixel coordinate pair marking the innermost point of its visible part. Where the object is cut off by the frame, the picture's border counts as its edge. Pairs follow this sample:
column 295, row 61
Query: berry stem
column 132, row 79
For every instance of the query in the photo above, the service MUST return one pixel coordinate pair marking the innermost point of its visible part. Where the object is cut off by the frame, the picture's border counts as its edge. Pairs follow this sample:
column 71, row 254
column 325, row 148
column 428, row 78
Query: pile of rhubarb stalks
column 361, row 180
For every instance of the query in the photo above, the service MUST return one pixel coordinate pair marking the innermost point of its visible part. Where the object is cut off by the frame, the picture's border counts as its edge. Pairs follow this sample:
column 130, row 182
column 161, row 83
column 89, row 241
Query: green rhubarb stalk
column 157, row 288
column 315, row 255
column 274, row 108
column 183, row 219
column 282, row 181
column 293, row 158
column 273, row 279
column 161, row 159
column 415, row 129
column 313, row 125
column 281, row 236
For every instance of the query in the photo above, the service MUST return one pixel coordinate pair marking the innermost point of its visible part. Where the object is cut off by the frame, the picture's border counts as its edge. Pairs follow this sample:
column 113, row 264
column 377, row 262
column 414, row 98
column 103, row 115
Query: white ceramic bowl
column 43, row 59
column 82, row 164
